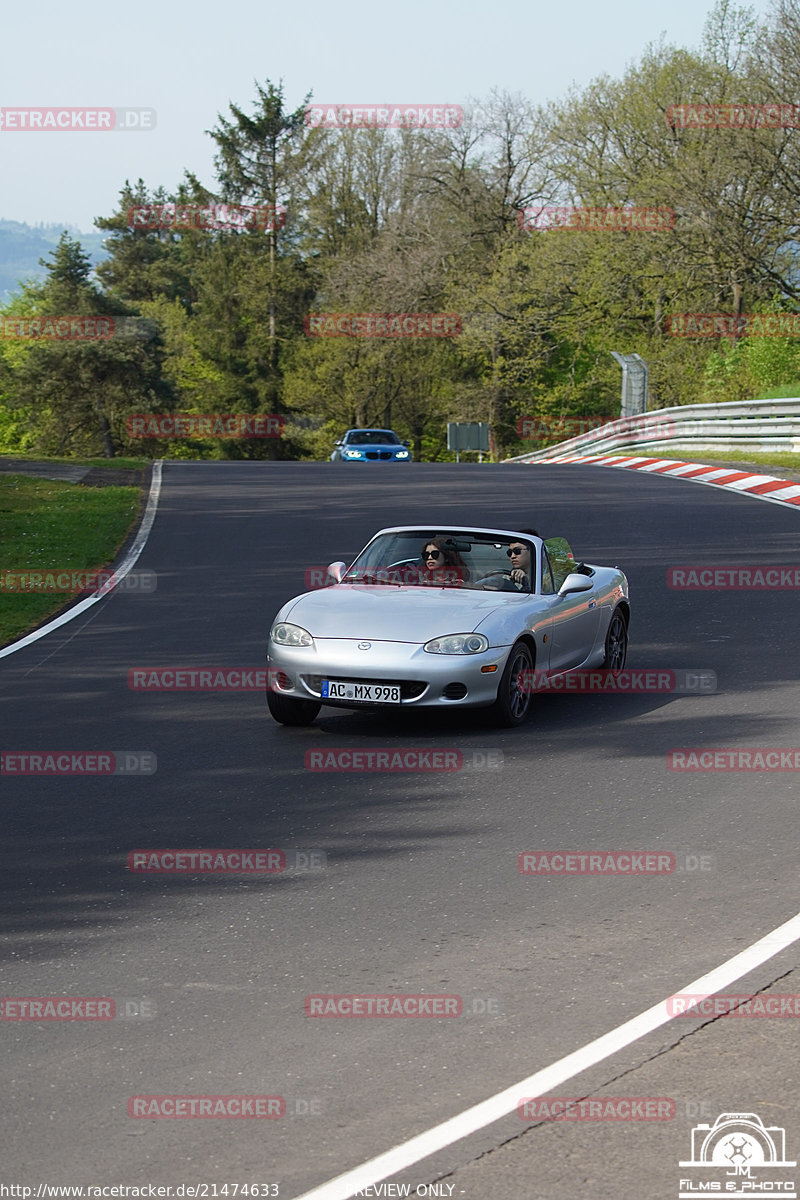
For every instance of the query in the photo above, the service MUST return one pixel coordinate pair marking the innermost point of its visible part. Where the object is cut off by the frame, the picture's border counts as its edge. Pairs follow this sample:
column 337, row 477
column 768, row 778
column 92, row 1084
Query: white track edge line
column 119, row 573
column 500, row 1105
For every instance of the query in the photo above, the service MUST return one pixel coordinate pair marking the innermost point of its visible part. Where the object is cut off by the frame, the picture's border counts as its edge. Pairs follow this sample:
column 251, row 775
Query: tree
column 78, row 392
column 260, row 160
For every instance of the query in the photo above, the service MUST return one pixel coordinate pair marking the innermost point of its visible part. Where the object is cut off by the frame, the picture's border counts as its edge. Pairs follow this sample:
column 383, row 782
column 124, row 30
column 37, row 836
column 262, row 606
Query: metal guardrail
column 755, row 425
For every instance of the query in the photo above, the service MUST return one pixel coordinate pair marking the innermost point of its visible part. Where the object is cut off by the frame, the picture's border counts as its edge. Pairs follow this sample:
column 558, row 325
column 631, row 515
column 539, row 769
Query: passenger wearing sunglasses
column 442, row 564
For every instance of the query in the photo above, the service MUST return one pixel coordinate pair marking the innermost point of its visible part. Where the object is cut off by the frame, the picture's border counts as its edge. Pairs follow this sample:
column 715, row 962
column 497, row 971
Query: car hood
column 376, row 612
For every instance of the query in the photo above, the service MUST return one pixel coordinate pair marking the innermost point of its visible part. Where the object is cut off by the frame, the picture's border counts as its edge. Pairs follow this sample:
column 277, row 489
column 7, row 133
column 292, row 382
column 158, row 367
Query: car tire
column 513, row 703
column 616, row 643
column 290, row 711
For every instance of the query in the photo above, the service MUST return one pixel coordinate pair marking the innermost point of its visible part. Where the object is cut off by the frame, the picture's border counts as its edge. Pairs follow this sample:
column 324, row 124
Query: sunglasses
column 515, row 550
column 431, row 554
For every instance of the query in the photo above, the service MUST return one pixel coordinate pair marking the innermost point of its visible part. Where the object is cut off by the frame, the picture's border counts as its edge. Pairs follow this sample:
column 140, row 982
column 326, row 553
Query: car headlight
column 401, row 454
column 352, row 454
column 458, row 643
column 284, row 634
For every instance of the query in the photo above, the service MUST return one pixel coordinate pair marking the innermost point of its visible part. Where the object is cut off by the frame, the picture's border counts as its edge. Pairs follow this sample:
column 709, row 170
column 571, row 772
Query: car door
column 575, row 617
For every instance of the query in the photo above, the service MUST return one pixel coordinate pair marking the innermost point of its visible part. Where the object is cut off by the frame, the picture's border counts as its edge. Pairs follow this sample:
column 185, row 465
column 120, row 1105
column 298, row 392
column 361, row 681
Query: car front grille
column 410, row 689
column 383, row 454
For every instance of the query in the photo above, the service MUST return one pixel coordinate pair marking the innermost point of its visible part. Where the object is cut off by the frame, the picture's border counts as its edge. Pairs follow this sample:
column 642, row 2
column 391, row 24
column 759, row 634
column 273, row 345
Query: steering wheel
column 498, row 581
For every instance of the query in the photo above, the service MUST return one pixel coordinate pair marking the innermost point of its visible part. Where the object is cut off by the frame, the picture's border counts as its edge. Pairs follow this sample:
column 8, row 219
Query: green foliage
column 75, row 394
column 747, row 368
column 15, row 434
column 381, row 221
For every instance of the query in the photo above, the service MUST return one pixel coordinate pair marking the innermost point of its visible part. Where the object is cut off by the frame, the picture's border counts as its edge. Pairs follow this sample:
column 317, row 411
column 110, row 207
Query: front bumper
column 375, row 457
column 426, row 680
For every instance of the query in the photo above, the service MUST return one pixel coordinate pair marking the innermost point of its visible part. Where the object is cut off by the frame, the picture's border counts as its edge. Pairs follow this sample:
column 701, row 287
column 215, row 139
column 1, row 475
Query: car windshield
column 478, row 561
column 373, row 437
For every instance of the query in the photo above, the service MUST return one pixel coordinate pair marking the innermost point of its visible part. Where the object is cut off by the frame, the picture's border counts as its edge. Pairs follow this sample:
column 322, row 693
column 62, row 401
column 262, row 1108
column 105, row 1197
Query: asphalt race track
column 413, row 885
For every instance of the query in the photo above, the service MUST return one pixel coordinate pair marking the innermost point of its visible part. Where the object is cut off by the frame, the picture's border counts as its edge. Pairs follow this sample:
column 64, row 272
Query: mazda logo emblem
column 365, row 645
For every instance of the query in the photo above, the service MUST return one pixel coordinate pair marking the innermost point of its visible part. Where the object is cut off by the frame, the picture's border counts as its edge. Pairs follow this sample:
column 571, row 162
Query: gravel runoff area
column 74, row 473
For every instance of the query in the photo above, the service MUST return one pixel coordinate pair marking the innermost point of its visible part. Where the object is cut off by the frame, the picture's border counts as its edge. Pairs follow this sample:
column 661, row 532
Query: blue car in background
column 371, row 445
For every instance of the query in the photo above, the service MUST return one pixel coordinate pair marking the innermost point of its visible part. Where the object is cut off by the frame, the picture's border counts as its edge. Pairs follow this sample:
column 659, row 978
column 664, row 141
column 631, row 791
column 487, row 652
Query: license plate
column 362, row 693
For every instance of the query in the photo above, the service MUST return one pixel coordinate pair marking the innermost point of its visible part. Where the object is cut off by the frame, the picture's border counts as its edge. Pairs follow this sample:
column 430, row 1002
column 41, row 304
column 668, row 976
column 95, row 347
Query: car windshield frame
column 383, row 437
column 394, row 557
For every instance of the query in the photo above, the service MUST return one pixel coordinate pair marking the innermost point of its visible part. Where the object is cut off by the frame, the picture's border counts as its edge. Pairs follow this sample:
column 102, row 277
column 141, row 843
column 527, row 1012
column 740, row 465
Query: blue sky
column 188, row 60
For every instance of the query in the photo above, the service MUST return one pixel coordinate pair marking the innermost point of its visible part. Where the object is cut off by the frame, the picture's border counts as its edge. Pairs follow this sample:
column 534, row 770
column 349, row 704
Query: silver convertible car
column 445, row 618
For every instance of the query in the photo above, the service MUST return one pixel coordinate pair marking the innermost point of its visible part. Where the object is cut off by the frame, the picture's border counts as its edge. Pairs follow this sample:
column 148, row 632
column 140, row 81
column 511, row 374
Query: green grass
column 129, row 464
column 47, row 525
column 774, row 460
column 788, row 391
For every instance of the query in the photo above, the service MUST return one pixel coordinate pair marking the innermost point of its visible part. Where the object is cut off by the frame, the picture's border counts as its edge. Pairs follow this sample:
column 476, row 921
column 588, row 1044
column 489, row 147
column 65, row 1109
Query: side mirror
column 407, row 444
column 576, row 583
column 336, row 570
column 339, row 443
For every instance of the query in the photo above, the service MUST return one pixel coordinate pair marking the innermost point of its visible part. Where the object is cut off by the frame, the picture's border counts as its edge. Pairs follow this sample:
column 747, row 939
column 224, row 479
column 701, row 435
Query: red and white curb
column 763, row 487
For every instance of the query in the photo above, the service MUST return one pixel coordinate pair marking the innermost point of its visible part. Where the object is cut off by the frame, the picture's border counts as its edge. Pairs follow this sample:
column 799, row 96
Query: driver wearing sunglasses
column 520, row 556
